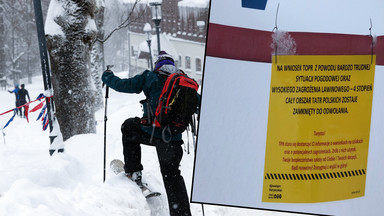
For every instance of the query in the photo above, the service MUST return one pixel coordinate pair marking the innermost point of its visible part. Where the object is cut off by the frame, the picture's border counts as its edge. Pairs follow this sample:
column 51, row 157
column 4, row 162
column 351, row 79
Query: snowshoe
column 118, row 167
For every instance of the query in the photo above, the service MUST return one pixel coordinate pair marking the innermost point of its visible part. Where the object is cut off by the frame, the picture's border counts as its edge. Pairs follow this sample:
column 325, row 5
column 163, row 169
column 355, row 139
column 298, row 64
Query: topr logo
column 254, row 4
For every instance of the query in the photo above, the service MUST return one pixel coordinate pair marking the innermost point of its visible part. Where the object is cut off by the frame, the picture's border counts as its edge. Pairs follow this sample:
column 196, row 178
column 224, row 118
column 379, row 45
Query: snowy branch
column 15, row 59
column 124, row 24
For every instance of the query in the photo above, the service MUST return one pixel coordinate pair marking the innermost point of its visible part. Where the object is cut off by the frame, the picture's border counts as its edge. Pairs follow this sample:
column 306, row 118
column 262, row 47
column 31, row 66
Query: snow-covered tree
column 97, row 55
column 119, row 17
column 75, row 36
column 19, row 53
column 2, row 41
column 71, row 30
column 14, row 42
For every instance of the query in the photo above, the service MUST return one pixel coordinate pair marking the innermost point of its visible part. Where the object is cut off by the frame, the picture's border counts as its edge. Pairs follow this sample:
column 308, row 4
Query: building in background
column 182, row 34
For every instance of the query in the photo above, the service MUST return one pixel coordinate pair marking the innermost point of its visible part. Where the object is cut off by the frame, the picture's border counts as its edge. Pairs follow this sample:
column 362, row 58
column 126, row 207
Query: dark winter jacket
column 22, row 94
column 148, row 82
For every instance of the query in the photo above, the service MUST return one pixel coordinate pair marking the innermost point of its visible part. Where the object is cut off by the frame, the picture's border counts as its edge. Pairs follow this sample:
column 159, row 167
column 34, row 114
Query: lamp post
column 200, row 25
column 156, row 18
column 147, row 30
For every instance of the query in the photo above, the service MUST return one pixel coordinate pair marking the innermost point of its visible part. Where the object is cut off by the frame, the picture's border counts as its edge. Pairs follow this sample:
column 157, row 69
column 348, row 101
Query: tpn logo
column 254, row 4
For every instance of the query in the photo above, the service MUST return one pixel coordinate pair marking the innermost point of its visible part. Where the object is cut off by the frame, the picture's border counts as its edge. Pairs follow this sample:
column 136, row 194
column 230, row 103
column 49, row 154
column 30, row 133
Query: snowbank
column 71, row 183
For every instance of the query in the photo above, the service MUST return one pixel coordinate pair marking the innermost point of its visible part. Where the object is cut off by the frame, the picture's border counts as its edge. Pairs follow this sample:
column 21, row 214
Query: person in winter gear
column 23, row 93
column 17, row 102
column 165, row 64
column 136, row 131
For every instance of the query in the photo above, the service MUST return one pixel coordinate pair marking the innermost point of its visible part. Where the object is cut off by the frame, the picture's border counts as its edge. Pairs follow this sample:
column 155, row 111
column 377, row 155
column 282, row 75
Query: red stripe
column 255, row 45
column 165, row 88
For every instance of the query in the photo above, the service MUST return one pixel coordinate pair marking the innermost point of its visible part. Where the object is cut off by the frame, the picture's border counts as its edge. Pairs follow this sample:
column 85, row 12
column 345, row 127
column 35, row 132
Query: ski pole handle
column 106, row 92
column 108, row 69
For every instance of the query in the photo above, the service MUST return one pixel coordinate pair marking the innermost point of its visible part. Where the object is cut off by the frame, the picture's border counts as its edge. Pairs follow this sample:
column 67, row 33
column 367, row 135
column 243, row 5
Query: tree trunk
column 2, row 43
column 97, row 56
column 96, row 70
column 69, row 50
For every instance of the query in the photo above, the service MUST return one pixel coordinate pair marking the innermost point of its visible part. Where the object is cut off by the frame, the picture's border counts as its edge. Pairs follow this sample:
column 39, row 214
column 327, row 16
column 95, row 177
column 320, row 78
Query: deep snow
column 71, row 183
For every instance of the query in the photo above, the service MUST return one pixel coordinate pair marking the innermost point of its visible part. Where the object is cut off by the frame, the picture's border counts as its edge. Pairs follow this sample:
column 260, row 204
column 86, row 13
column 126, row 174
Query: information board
column 318, row 128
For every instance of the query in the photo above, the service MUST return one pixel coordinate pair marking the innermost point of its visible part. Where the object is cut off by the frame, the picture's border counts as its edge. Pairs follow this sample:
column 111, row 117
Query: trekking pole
column 194, row 133
column 105, row 125
column 2, row 131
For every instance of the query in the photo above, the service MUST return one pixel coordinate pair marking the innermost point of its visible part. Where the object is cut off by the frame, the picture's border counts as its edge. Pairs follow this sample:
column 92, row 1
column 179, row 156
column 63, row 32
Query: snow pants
column 21, row 110
column 18, row 111
column 169, row 156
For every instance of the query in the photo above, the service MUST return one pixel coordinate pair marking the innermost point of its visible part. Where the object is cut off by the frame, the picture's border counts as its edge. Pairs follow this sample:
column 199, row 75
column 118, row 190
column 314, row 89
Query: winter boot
column 136, row 177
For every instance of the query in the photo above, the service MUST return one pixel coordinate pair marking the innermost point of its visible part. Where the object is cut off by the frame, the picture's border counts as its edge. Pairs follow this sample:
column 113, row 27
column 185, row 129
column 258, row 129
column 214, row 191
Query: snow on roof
column 194, row 3
column 156, row 1
column 133, row 1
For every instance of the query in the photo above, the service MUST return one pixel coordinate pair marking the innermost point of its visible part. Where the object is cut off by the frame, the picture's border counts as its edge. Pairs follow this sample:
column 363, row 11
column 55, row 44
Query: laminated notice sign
column 318, row 128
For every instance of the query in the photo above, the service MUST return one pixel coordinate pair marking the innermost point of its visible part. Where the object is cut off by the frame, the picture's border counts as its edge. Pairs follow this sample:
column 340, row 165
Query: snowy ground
column 34, row 183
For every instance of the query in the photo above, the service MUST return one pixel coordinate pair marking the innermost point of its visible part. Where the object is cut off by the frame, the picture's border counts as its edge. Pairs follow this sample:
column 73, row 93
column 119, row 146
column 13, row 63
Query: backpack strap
column 163, row 135
column 164, row 97
column 147, row 121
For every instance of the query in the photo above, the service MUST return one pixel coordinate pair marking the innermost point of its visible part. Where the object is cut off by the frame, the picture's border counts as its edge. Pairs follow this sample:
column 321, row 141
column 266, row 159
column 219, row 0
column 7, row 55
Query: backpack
column 177, row 103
